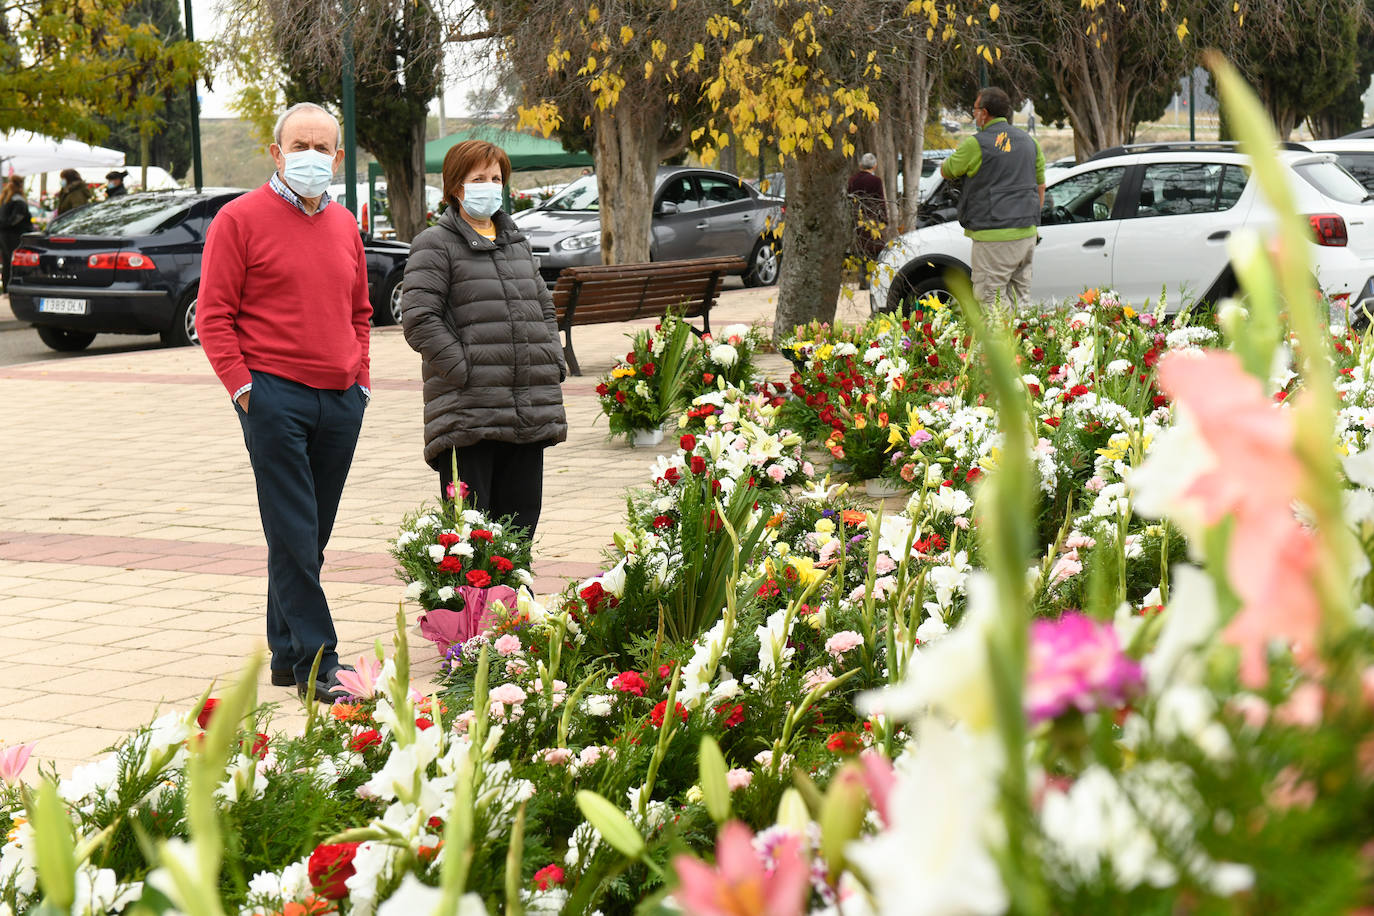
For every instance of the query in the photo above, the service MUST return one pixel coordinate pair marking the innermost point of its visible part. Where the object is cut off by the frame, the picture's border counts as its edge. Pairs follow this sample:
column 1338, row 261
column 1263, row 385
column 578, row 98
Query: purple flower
column 1076, row 662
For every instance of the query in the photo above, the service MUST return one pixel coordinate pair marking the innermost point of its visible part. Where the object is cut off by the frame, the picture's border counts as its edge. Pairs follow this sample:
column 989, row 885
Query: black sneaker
column 323, row 692
column 283, row 678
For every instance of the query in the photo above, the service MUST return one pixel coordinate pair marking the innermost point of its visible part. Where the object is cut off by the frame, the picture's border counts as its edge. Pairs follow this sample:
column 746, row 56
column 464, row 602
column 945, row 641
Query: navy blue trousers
column 300, row 441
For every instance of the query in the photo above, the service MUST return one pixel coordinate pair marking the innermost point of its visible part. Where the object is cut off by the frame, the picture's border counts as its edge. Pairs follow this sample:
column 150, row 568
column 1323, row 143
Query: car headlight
column 581, row 242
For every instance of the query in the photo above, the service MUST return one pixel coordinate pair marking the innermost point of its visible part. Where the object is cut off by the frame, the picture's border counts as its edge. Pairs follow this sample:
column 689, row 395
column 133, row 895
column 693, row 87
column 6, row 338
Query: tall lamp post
column 349, row 112
column 197, row 169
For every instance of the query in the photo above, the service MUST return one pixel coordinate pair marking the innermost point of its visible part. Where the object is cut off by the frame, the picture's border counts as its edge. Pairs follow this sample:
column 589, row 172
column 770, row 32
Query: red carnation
column 647, row 369
column 602, row 390
column 1052, row 421
column 687, row 442
column 933, row 359
column 663, row 521
column 451, row 565
column 448, row 539
column 620, row 397
column 593, row 594
column 422, row 723
column 844, row 743
column 733, row 715
column 547, row 877
column 630, row 682
column 478, row 578
column 482, row 534
column 260, row 746
column 364, row 740
column 1037, row 354
column 331, row 864
column 208, row 710
column 708, row 377
column 657, row 715
column 698, row 464
column 630, row 358
column 502, row 564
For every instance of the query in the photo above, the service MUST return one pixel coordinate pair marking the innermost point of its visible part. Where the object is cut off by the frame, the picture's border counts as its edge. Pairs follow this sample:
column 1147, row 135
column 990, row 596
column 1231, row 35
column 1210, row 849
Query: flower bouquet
column 645, row 388
column 727, row 361
column 456, row 564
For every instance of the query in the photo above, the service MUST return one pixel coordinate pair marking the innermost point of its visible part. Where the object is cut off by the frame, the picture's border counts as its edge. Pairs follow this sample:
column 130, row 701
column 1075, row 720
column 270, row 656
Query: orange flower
column 348, row 712
column 775, row 520
column 1089, row 297
column 853, row 517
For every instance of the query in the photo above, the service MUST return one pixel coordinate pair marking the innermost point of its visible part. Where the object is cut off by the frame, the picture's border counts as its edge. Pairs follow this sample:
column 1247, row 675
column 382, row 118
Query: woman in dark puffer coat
column 480, row 316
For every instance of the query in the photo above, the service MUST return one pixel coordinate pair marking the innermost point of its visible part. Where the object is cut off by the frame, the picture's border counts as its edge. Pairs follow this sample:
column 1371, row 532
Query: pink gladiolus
column 360, row 683
column 13, row 759
column 1255, row 478
column 880, row 777
column 740, row 884
column 1076, row 662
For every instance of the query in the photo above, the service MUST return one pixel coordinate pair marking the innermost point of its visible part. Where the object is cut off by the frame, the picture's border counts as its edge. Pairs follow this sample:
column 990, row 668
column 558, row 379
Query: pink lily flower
column 13, row 760
column 362, row 683
column 741, row 884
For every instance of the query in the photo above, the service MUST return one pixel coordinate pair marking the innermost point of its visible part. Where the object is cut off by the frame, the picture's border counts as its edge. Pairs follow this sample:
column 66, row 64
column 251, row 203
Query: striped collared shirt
column 293, row 198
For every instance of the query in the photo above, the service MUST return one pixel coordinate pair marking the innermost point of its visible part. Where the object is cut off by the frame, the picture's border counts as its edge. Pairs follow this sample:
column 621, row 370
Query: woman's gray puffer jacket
column 482, row 319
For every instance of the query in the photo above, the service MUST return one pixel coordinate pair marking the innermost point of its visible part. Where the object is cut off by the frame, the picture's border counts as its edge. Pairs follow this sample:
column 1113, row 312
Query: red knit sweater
column 284, row 293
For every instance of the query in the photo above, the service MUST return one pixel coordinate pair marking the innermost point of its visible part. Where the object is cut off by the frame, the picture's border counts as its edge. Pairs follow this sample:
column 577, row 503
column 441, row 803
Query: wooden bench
column 623, row 292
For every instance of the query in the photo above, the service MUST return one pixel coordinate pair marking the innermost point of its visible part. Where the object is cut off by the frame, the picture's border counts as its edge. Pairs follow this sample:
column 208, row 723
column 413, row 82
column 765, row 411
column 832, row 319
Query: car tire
column 932, row 286
column 390, row 313
column 765, row 263
column 182, row 333
column 63, row 340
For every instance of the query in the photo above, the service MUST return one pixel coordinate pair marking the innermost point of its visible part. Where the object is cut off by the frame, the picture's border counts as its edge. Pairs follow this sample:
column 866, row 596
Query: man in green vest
column 1000, row 203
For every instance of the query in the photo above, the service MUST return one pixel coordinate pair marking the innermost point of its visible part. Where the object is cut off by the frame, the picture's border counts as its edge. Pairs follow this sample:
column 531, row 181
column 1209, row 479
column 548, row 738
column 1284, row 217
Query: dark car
column 698, row 213
column 131, row 265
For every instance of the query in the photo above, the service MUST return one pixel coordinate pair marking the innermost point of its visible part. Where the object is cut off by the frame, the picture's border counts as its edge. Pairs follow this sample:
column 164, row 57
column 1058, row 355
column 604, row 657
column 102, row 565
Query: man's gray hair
column 306, row 106
column 868, row 161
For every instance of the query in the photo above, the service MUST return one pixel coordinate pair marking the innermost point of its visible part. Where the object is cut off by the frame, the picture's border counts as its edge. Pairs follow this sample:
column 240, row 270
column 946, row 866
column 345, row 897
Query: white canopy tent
column 28, row 153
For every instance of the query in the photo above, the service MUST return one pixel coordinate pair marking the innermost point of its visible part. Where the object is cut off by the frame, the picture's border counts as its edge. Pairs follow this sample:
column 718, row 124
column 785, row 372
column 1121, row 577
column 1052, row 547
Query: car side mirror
column 667, row 207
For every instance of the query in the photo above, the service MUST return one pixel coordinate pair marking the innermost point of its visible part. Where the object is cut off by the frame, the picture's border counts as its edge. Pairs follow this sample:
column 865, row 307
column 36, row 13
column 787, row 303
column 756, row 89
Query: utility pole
column 1192, row 105
column 349, row 114
column 197, row 170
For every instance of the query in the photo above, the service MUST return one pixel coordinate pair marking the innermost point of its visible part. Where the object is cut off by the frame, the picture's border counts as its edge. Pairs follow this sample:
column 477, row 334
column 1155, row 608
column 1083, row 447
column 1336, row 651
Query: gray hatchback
column 698, row 213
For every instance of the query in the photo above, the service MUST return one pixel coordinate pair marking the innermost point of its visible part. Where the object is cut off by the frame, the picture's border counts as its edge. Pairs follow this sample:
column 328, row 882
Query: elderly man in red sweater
column 284, row 318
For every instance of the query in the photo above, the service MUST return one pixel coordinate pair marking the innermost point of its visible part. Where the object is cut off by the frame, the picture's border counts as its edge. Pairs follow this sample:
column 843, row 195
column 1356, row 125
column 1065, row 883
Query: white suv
column 1156, row 218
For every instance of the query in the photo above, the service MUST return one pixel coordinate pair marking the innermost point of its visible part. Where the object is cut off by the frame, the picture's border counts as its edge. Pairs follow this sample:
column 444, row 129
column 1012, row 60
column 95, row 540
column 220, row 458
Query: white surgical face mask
column 481, row 198
column 308, row 172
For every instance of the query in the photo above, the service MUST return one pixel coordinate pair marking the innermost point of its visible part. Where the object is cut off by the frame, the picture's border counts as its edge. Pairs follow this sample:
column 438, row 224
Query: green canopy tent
column 527, row 152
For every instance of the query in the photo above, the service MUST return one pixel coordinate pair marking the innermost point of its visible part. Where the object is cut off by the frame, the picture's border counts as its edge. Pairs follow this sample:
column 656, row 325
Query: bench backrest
column 622, row 292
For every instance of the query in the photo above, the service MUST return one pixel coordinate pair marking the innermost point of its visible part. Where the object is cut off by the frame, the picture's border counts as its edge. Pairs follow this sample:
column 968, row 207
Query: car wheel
column 182, row 333
column 391, row 299
column 764, row 265
column 63, row 340
column 908, row 296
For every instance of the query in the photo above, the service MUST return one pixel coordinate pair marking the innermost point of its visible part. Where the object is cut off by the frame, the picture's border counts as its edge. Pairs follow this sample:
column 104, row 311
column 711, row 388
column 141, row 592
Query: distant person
column 481, row 317
column 1030, row 123
column 868, row 203
column 74, row 192
column 283, row 317
column 15, row 220
column 999, row 205
column 114, row 184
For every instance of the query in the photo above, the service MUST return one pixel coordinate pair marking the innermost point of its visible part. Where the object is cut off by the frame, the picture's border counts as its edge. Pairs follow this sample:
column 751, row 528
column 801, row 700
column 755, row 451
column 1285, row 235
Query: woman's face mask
column 481, row 198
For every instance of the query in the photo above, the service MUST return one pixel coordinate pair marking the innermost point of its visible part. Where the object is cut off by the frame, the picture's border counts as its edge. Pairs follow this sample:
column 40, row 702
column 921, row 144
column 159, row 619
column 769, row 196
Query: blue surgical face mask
column 481, row 198
column 308, row 172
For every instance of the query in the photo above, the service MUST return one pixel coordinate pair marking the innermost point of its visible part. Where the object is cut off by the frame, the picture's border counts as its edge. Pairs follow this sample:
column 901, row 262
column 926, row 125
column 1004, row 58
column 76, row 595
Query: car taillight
column 1328, row 229
column 364, row 219
column 24, row 257
column 120, row 260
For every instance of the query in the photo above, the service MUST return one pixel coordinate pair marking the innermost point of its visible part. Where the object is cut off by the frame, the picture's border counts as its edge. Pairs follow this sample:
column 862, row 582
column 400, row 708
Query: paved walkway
column 132, row 563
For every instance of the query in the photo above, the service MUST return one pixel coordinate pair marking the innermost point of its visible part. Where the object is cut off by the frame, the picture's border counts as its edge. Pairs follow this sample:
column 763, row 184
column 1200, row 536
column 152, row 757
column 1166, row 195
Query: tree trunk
column 914, row 102
column 815, row 234
column 405, row 184
column 626, row 164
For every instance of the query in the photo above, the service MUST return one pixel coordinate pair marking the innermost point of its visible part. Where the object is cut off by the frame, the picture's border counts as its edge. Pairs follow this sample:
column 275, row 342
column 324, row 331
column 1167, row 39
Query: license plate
column 63, row 306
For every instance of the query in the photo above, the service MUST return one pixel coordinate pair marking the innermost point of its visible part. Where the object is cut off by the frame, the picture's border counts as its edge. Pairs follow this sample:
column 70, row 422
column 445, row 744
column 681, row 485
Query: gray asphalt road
column 19, row 343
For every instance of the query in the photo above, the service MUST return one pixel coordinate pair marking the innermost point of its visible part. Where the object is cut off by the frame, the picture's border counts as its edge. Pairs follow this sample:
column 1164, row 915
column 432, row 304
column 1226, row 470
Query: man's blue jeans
column 300, row 441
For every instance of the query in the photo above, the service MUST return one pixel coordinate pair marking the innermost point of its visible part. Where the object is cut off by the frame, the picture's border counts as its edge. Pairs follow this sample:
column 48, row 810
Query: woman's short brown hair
column 464, row 158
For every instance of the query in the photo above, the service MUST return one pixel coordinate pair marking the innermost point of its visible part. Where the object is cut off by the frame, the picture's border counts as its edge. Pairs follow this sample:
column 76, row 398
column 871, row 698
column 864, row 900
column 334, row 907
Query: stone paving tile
column 141, row 590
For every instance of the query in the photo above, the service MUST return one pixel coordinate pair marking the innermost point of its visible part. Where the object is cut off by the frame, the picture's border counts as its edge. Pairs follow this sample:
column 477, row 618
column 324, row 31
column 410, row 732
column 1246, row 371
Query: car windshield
column 580, row 195
column 1332, row 180
column 136, row 214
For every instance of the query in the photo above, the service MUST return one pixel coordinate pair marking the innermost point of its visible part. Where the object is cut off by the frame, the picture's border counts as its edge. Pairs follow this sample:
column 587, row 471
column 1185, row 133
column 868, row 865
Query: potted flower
column 645, row 388
column 456, row 564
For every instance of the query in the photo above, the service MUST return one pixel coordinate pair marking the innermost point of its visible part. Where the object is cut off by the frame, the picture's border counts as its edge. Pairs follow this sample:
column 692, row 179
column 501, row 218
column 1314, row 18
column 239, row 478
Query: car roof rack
column 1184, row 146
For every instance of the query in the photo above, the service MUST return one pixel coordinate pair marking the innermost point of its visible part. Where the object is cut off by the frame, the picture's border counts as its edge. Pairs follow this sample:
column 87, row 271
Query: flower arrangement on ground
column 647, row 387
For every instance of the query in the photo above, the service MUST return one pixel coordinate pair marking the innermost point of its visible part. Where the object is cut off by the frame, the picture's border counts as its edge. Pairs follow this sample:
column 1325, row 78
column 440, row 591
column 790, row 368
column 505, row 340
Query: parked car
column 1357, row 155
column 1156, row 217
column 373, row 215
column 697, row 213
column 1365, row 133
column 131, row 265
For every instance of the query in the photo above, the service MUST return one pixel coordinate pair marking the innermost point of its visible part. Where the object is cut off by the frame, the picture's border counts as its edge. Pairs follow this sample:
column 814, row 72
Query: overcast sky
column 216, row 104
